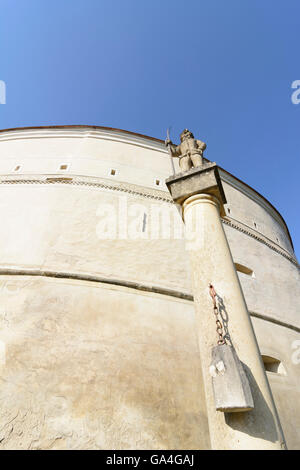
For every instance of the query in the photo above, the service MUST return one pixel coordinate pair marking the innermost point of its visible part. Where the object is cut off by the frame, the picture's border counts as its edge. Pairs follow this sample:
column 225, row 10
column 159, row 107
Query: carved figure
column 190, row 150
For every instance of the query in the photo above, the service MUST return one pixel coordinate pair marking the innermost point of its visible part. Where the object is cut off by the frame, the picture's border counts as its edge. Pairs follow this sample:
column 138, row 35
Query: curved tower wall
column 97, row 343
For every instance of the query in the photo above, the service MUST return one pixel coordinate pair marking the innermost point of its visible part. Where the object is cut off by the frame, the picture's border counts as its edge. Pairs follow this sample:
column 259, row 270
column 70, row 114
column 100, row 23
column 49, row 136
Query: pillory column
column 200, row 194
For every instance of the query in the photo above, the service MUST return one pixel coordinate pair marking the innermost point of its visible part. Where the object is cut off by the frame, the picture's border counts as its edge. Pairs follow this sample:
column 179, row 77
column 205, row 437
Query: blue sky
column 224, row 69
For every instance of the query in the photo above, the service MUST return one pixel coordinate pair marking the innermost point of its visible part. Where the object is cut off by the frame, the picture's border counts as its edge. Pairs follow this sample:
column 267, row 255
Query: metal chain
column 220, row 331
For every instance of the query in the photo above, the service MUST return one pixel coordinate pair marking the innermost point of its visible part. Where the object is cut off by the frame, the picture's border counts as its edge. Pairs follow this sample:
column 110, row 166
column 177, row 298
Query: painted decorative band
column 151, row 194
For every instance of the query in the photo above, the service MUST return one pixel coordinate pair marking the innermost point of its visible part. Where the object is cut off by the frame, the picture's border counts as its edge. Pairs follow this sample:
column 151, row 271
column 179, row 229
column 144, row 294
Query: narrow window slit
column 243, row 269
column 144, row 222
column 274, row 365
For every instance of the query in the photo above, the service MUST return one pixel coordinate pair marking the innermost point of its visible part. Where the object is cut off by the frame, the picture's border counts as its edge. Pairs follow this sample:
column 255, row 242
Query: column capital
column 201, row 198
column 204, row 179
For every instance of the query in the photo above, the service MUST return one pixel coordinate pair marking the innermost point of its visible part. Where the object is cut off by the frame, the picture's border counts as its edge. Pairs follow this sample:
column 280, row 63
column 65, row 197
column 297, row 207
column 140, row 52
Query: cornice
column 79, row 132
column 152, row 289
column 88, row 181
column 261, row 238
column 254, row 196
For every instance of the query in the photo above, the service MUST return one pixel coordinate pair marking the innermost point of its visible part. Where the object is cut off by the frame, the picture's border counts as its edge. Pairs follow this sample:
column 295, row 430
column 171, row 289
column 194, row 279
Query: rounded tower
column 97, row 331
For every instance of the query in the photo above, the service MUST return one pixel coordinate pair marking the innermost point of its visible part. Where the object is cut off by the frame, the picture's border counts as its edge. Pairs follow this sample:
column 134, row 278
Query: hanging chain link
column 220, row 331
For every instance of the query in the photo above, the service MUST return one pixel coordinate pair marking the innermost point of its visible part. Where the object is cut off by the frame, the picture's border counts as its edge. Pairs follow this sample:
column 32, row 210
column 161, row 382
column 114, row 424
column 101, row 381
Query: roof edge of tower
column 154, row 139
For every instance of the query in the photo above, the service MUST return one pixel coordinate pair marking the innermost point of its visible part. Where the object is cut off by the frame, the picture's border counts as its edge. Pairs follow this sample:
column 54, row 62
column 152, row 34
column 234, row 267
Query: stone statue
column 190, row 151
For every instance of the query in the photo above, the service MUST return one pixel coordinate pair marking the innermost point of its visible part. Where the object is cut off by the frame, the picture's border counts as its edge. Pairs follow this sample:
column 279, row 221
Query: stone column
column 199, row 192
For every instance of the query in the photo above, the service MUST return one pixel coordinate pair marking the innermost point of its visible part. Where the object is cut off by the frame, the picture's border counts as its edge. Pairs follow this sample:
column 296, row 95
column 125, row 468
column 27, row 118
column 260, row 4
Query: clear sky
column 224, row 69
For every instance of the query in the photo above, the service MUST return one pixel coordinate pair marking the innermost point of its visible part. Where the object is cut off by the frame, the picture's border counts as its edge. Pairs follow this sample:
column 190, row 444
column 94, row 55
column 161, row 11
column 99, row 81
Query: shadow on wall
column 259, row 422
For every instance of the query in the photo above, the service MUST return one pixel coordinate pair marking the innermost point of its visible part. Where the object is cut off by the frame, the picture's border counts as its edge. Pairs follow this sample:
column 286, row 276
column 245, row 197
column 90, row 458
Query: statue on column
column 190, row 151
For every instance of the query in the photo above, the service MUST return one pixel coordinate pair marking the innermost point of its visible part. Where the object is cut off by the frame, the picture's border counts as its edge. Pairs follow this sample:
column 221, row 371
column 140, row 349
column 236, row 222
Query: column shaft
column 212, row 262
